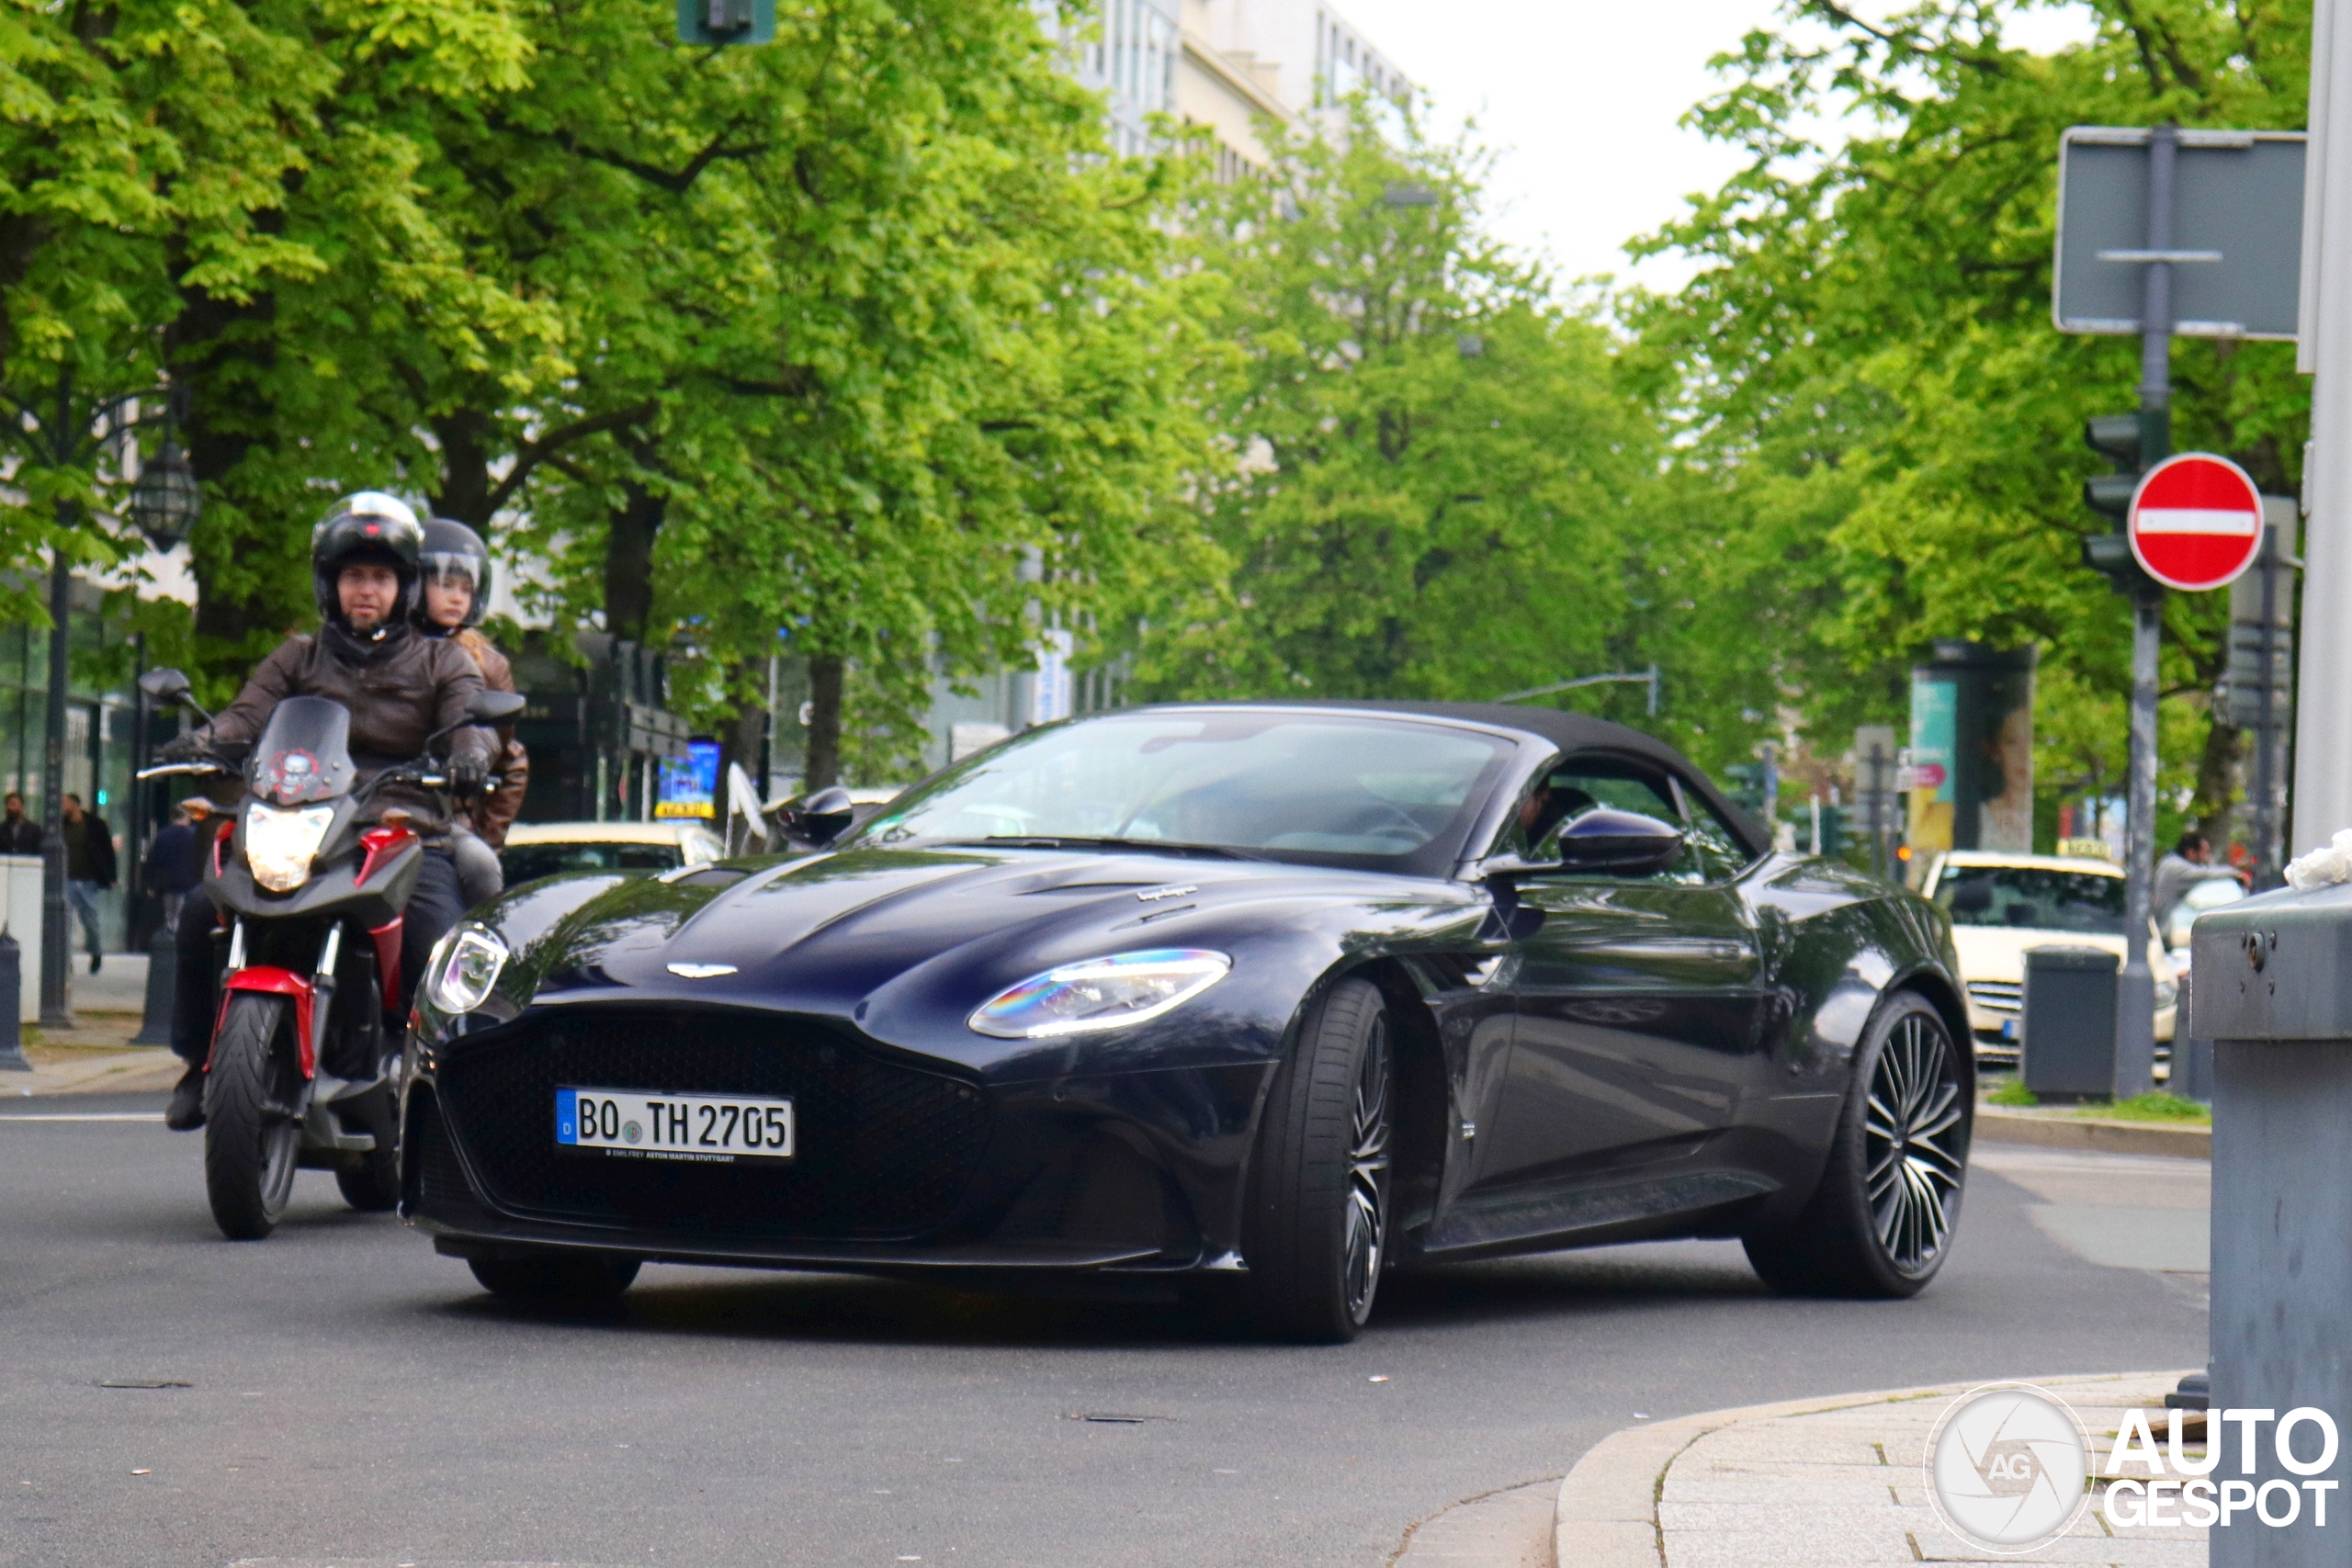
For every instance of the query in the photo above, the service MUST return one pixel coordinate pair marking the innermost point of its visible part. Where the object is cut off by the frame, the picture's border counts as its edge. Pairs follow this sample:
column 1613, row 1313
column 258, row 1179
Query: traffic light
column 719, row 23
column 1747, row 787
column 2123, row 440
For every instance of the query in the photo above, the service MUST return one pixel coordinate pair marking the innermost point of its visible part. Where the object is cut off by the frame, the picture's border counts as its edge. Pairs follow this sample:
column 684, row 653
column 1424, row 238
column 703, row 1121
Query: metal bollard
column 163, row 960
column 2273, row 994
column 12, row 992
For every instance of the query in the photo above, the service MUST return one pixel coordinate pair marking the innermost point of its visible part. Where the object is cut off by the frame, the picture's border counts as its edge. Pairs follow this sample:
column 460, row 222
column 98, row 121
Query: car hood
column 1997, row 952
column 904, row 943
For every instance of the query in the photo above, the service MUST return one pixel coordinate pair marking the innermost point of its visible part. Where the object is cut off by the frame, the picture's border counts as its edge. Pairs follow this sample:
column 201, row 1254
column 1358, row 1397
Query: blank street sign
column 2237, row 210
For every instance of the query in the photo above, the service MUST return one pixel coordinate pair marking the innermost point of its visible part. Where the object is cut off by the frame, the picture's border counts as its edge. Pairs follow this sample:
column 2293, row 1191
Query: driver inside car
column 401, row 689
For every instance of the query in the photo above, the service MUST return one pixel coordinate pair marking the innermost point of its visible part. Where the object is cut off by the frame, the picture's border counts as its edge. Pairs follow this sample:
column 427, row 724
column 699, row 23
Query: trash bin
column 2273, row 997
column 2066, row 1026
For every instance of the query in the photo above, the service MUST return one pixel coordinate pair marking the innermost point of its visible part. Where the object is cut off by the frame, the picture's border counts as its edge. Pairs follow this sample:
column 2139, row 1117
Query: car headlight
column 280, row 845
column 2167, row 993
column 1101, row 993
column 465, row 964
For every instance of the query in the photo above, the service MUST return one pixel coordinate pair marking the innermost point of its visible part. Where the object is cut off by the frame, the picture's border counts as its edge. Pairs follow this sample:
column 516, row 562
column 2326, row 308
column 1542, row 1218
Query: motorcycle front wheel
column 250, row 1143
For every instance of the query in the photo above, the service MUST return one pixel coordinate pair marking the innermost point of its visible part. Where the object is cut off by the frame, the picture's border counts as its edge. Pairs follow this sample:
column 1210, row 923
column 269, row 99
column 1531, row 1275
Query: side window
column 1721, row 853
column 1577, row 784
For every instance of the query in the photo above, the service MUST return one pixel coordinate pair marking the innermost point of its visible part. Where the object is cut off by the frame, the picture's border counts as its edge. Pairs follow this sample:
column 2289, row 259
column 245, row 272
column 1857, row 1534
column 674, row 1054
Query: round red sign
column 2195, row 522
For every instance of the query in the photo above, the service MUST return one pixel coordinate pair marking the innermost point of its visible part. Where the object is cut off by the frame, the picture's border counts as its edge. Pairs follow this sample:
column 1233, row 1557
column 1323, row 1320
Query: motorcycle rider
column 400, row 688
column 456, row 583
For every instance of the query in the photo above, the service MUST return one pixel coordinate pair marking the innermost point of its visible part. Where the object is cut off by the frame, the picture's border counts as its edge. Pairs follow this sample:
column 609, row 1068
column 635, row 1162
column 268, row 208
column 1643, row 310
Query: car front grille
column 1997, row 995
column 883, row 1150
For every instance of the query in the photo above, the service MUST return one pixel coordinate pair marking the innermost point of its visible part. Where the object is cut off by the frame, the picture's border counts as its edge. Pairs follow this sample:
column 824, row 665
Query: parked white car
column 534, row 850
column 2002, row 904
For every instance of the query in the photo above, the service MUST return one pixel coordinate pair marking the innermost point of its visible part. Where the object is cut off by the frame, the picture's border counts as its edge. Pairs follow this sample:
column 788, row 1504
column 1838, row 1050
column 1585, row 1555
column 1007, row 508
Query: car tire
column 1881, row 1222
column 1316, row 1231
column 557, row 1279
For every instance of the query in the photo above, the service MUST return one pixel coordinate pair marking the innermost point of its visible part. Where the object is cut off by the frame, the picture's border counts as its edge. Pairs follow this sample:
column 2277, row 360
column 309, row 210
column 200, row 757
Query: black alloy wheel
column 252, row 1141
column 1317, row 1233
column 1881, row 1222
column 556, row 1278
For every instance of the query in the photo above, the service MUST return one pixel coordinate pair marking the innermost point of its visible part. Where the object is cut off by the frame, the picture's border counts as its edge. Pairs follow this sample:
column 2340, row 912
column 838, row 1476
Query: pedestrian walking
column 89, row 870
column 174, row 867
column 19, row 834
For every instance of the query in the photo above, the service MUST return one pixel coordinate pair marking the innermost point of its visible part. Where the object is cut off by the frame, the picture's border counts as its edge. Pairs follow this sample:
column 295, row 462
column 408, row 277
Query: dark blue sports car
column 1265, row 998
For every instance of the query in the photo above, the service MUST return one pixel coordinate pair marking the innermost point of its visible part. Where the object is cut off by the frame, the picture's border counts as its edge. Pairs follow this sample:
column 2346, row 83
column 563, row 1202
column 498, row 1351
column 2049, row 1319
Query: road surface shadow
column 851, row 1309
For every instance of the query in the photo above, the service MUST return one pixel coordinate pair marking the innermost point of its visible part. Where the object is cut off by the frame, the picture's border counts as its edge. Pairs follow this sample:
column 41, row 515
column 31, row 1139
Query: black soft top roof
column 1568, row 731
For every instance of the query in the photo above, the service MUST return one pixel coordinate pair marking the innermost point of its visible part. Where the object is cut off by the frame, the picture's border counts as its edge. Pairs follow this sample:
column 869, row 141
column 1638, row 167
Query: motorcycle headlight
column 280, row 845
column 1101, row 993
column 2167, row 993
column 464, row 967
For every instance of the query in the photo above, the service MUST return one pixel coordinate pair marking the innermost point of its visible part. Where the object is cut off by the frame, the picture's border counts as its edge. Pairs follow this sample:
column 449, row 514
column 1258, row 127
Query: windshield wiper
column 1150, row 846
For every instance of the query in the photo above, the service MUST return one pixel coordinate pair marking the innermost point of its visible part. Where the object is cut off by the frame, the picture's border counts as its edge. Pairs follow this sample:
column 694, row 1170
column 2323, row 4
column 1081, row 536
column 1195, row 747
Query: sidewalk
column 97, row 1055
column 1821, row 1484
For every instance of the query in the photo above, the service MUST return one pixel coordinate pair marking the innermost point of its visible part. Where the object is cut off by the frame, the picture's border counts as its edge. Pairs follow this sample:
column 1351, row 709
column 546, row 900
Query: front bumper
column 906, row 1165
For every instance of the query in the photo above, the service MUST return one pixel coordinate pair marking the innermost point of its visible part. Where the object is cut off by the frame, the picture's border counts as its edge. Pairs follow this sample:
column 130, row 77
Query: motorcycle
column 302, row 1072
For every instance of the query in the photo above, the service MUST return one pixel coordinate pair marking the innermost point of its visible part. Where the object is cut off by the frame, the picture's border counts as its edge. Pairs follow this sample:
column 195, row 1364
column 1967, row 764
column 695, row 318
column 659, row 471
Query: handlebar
column 221, row 770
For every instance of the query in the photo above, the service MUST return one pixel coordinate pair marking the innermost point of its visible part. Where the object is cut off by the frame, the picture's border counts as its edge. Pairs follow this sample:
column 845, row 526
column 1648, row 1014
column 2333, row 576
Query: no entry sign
column 2195, row 522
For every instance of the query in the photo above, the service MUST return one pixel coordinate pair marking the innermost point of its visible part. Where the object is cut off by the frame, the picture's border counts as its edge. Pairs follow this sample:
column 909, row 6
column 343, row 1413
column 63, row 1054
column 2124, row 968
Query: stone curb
column 1997, row 1126
column 1607, row 1513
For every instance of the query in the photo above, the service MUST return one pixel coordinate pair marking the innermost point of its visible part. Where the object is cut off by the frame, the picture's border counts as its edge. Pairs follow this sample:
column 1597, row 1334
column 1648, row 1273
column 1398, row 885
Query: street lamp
column 165, row 504
column 165, row 500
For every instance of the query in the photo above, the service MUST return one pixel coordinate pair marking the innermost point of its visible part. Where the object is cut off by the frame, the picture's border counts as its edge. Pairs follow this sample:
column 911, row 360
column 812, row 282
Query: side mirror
column 496, row 708
column 165, row 686
column 822, row 818
column 1622, row 841
column 1604, row 841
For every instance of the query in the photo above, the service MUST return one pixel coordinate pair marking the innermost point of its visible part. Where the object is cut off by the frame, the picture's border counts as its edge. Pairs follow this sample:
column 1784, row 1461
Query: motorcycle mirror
column 496, row 708
column 823, row 817
column 165, row 686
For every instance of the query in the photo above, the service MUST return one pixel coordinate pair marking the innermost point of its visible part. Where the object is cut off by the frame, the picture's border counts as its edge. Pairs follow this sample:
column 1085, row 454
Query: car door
column 1637, row 998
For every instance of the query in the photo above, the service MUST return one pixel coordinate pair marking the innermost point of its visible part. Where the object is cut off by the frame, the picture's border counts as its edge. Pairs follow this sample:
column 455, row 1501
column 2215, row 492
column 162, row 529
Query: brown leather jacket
column 495, row 812
column 399, row 690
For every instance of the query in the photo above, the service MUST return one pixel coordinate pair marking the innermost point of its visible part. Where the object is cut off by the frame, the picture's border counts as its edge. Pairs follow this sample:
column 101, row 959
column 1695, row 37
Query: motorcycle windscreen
column 304, row 753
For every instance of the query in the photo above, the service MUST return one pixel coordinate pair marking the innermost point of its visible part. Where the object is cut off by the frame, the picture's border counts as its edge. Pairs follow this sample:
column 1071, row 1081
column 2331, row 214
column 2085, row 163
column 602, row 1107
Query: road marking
column 82, row 1116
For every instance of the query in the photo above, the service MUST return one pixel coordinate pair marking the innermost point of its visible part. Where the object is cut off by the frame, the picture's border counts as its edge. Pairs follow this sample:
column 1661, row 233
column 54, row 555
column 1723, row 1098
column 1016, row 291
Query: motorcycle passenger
column 457, row 582
column 399, row 688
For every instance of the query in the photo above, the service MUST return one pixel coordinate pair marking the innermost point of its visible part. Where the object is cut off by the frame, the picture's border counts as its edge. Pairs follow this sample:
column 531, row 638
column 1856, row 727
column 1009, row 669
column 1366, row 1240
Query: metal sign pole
column 2135, row 1019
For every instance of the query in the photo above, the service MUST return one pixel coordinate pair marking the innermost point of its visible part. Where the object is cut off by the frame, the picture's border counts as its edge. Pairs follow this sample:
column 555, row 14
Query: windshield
column 2033, row 898
column 1325, row 789
column 304, row 752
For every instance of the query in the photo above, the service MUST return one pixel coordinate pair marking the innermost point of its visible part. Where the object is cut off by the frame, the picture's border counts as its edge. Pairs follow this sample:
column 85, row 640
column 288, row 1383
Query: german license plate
column 634, row 1124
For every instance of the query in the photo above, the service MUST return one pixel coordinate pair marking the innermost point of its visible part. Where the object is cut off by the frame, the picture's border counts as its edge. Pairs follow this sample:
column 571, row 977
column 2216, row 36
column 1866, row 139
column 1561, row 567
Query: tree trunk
column 628, row 560
column 464, row 495
column 743, row 737
column 2217, row 778
column 825, row 673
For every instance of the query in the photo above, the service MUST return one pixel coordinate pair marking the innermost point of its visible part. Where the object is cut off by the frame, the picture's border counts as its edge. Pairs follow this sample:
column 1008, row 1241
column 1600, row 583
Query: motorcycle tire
column 373, row 1186
column 251, row 1148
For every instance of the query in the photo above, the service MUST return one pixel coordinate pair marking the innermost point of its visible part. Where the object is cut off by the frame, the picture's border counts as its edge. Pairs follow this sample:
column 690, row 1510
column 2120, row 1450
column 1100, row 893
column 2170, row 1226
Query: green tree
column 1874, row 400
column 1438, row 478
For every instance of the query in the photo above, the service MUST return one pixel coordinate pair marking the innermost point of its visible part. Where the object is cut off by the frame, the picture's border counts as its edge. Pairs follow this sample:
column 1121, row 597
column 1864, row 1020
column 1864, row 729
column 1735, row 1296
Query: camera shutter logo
column 2006, row 1467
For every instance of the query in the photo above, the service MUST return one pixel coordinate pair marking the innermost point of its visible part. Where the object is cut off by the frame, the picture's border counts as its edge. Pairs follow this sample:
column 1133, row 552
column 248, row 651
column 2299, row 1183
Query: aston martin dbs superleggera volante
column 1263, row 997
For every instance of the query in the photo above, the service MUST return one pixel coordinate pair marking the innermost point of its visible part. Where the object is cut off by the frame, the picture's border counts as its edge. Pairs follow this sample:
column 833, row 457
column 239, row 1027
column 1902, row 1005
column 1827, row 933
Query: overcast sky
column 1582, row 98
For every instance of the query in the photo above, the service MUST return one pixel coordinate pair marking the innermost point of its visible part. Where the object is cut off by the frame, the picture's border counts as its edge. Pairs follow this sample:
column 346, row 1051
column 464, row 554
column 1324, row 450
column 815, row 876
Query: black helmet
column 365, row 526
column 454, row 552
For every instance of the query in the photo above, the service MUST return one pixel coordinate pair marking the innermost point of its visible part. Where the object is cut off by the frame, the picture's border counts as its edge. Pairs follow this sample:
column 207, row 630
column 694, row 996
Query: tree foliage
column 1438, row 478
column 1874, row 398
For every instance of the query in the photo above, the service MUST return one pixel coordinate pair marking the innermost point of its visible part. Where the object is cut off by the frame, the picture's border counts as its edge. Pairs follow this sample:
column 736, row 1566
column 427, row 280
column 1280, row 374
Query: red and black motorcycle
column 303, row 1066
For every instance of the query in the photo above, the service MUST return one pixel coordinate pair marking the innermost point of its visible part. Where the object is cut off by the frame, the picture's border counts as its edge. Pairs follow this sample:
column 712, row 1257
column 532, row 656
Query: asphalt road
column 353, row 1397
